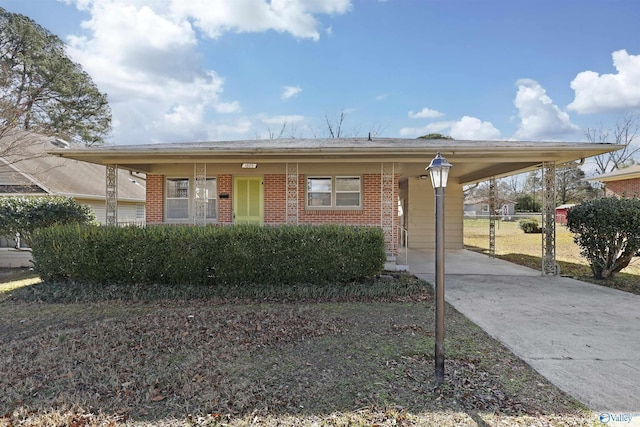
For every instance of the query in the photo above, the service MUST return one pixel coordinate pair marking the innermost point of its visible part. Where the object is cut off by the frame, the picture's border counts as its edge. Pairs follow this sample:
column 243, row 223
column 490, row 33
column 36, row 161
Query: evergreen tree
column 42, row 90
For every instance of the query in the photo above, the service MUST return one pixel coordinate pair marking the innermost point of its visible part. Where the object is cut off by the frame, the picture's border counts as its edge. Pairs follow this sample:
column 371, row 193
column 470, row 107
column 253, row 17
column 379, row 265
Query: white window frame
column 167, row 198
column 330, row 192
column 212, row 197
column 191, row 200
column 140, row 211
column 333, row 191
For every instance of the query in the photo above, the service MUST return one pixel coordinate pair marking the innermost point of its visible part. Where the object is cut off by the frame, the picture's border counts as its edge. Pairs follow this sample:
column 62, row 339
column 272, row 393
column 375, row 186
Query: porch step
column 392, row 264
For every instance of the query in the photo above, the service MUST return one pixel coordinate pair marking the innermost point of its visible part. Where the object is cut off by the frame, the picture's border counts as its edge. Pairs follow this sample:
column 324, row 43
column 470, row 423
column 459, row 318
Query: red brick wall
column 623, row 188
column 225, row 206
column 155, row 199
column 275, row 198
column 369, row 214
column 275, row 206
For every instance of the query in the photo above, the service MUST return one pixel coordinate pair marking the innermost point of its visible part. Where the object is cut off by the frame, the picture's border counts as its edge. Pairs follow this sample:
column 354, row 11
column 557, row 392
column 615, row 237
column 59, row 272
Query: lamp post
column 439, row 170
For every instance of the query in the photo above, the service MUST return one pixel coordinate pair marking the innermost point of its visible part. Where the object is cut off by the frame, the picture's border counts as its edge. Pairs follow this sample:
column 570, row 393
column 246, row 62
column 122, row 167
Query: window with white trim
column 319, row 192
column 211, row 193
column 140, row 210
column 334, row 192
column 177, row 195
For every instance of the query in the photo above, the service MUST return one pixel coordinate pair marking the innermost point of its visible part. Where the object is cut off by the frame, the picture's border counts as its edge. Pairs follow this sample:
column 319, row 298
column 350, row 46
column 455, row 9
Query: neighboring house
column 312, row 181
column 26, row 169
column 621, row 183
column 479, row 207
column 561, row 212
column 31, row 171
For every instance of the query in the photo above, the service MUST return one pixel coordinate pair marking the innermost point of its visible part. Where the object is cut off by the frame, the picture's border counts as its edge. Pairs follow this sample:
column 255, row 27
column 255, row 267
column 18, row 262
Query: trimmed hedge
column 241, row 254
column 530, row 225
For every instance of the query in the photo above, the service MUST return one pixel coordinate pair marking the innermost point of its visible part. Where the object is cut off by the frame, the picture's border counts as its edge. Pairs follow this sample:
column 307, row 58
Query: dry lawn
column 514, row 245
column 212, row 363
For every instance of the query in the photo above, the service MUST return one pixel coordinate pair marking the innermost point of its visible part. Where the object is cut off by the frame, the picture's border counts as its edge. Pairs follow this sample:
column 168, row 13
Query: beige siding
column 403, row 193
column 421, row 215
column 127, row 211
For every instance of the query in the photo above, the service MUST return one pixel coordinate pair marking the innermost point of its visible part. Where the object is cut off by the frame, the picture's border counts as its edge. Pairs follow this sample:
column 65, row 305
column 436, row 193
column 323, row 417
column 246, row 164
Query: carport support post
column 549, row 264
column 492, row 216
column 439, row 171
column 111, row 195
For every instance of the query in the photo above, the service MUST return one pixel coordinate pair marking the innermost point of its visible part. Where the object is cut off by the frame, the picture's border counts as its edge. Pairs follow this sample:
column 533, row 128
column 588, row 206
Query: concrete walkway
column 583, row 338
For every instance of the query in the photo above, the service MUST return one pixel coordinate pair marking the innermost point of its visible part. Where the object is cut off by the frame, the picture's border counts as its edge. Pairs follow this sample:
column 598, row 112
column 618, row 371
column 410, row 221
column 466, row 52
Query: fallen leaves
column 255, row 362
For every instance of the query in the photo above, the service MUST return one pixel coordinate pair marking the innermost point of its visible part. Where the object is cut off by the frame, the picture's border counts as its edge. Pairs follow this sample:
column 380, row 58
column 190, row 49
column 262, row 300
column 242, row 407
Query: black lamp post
column 439, row 170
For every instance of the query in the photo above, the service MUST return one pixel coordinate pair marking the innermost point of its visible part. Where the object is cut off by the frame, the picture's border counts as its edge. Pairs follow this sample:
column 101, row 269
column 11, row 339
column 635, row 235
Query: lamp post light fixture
column 439, row 170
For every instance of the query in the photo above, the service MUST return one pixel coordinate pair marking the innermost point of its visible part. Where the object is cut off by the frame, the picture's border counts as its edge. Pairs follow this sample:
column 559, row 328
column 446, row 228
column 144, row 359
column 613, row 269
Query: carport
column 393, row 168
column 580, row 336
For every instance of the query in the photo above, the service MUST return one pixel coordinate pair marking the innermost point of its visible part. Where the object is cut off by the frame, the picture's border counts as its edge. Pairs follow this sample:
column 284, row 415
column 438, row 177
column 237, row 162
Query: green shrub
column 608, row 233
column 242, row 254
column 530, row 225
column 23, row 215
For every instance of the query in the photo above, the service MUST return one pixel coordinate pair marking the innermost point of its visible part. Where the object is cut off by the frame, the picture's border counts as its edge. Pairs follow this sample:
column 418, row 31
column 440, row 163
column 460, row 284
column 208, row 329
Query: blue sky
column 177, row 70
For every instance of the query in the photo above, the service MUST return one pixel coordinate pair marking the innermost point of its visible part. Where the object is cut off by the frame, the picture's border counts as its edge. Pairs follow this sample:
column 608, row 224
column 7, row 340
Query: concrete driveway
column 583, row 338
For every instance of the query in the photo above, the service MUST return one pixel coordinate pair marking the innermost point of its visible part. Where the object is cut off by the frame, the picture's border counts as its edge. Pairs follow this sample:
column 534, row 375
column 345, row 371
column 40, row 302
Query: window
column 348, row 191
column 485, row 208
column 338, row 192
column 177, row 198
column 319, row 192
column 140, row 210
column 211, row 193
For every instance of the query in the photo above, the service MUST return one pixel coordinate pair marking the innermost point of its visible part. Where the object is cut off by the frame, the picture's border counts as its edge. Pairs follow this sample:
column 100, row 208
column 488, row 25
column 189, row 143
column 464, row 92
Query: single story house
column 27, row 169
column 621, row 182
column 479, row 207
column 310, row 181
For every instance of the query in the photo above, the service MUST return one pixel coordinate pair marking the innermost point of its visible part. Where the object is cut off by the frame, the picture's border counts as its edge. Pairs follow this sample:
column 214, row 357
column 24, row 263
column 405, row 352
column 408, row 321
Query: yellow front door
column 247, row 199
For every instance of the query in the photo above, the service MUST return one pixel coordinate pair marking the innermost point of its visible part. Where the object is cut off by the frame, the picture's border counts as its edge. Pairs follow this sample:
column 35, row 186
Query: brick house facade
column 621, row 183
column 623, row 188
column 360, row 181
column 274, row 188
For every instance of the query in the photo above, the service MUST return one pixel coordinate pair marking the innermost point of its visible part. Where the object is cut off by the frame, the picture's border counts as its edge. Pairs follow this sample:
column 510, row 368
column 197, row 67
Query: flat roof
column 473, row 160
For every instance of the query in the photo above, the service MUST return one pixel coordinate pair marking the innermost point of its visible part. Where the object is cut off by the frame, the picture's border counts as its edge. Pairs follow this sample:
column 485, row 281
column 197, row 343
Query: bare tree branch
column 273, row 135
column 335, row 127
column 625, row 133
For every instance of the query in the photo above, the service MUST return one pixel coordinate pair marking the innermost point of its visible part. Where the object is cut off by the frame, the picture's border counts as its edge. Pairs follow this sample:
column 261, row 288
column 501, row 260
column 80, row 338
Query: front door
column 247, row 199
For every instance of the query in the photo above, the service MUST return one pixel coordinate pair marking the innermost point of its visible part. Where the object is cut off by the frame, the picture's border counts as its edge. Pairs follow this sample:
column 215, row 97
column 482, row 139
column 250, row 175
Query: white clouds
column 290, row 91
column 467, row 128
column 281, row 120
column 226, row 129
column 425, row 113
column 147, row 63
column 539, row 116
column 596, row 93
column 438, row 127
column 135, row 36
column 144, row 55
column 471, row 128
column 293, row 16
